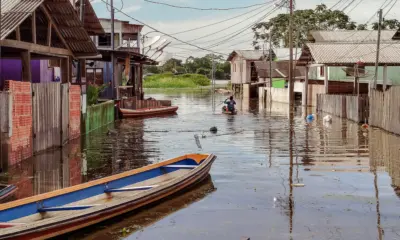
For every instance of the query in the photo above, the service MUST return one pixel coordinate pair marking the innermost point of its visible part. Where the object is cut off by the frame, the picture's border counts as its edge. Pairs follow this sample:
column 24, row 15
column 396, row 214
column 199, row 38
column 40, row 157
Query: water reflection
column 132, row 222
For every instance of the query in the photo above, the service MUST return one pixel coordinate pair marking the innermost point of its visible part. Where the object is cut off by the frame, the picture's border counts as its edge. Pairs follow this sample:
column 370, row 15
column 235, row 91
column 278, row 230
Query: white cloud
column 132, row 8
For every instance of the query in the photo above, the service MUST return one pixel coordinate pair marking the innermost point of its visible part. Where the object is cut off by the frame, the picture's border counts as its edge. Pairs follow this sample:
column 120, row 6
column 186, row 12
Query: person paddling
column 230, row 103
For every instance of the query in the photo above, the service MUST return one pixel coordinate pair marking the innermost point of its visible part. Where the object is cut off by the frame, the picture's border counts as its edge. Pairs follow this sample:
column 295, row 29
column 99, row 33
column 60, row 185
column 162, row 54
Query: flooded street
column 271, row 180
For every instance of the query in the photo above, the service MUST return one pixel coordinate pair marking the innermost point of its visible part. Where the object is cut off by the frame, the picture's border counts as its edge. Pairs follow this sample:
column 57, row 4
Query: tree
column 320, row 18
column 362, row 27
column 152, row 69
column 387, row 24
column 171, row 64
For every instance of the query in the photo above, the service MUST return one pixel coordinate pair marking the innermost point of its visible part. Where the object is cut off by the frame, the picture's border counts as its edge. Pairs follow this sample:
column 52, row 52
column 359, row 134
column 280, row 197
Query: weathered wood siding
column 5, row 126
column 385, row 109
column 46, row 115
column 345, row 106
column 65, row 112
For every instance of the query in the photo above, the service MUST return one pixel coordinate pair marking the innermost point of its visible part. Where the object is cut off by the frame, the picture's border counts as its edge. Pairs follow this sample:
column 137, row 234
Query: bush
column 93, row 92
column 168, row 80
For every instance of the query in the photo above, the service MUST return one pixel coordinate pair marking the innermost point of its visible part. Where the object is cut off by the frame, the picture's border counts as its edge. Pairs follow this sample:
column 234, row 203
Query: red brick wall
column 74, row 111
column 21, row 139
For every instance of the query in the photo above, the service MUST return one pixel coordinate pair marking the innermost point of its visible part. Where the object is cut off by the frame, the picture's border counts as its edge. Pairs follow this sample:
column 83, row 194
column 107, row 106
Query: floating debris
column 196, row 137
column 213, row 129
column 327, row 119
column 298, row 184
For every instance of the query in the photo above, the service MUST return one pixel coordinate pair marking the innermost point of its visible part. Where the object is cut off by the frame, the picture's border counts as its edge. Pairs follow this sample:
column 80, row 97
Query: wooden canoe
column 6, row 191
column 66, row 210
column 129, row 113
column 225, row 111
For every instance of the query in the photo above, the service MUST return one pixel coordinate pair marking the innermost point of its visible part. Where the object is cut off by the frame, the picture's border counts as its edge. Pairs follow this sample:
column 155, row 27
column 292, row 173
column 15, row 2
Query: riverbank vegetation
column 169, row 80
column 194, row 65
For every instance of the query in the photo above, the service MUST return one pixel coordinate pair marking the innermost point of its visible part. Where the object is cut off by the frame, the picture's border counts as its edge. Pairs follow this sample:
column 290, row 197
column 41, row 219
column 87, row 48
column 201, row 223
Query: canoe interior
column 148, row 111
column 6, row 191
column 95, row 191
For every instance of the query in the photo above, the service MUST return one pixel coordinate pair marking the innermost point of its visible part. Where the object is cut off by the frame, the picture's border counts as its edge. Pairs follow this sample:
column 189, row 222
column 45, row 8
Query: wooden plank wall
column 355, row 108
column 47, row 115
column 385, row 109
column 5, row 126
column 65, row 112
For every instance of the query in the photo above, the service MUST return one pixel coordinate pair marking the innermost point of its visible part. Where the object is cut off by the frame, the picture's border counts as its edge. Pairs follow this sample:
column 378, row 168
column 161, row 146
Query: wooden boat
column 6, row 191
column 144, row 112
column 226, row 111
column 65, row 210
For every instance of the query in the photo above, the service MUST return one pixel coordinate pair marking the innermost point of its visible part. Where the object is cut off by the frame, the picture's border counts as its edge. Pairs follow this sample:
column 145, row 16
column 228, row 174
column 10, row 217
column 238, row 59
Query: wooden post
column 64, row 70
column 384, row 77
column 305, row 90
column 18, row 33
column 326, row 79
column 49, row 34
column 34, row 27
column 26, row 66
column 356, row 81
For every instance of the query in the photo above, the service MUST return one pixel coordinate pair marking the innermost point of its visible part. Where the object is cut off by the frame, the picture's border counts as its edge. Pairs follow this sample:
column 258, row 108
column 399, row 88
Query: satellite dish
column 160, row 48
column 151, row 41
column 156, row 45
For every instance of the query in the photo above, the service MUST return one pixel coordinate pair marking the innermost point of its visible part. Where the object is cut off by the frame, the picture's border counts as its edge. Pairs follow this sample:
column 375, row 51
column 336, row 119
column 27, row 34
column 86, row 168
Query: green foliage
column 202, row 65
column 278, row 83
column 93, row 92
column 387, row 24
column 168, row 80
column 320, row 18
column 229, row 85
column 152, row 69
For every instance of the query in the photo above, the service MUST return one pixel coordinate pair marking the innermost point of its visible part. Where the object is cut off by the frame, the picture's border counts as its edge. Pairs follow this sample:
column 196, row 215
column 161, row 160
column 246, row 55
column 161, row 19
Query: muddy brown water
column 273, row 179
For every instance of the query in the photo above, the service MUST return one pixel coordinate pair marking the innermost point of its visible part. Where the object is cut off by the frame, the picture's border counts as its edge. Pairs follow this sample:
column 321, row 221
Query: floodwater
column 273, row 178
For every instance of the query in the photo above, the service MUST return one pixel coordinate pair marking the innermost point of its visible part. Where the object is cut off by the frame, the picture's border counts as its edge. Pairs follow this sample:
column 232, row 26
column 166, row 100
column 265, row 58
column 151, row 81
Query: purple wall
column 11, row 69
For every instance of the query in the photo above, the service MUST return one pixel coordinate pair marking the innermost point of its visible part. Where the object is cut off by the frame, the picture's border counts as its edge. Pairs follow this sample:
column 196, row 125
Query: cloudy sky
column 218, row 37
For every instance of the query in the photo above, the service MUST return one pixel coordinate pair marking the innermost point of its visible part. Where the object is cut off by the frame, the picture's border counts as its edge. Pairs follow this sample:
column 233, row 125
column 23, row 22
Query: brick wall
column 74, row 111
column 21, row 139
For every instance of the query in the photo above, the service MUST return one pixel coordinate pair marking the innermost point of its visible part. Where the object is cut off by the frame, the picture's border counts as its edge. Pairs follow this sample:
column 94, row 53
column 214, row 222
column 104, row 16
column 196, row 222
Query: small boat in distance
column 226, row 111
column 55, row 213
column 145, row 112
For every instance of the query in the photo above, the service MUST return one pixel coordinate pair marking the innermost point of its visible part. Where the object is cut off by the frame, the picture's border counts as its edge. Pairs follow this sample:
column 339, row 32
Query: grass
column 168, row 80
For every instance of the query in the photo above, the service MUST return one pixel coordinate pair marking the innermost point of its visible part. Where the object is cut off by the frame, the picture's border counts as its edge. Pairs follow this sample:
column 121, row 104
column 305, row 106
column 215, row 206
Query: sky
column 172, row 20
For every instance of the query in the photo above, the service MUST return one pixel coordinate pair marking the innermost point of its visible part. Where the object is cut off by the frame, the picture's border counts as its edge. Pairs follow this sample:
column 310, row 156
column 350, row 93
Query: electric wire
column 206, row 9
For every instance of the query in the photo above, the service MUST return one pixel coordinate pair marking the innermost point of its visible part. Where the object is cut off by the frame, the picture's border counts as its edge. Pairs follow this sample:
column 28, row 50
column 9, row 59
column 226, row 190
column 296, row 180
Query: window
column 105, row 40
column 53, row 63
column 322, row 71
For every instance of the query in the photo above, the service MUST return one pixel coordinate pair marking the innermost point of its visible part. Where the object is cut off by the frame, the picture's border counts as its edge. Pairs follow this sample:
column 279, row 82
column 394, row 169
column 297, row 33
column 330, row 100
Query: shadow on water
column 132, row 222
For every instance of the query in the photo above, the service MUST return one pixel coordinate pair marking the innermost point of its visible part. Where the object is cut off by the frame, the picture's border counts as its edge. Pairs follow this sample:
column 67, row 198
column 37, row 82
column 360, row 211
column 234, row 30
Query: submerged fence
column 355, row 108
column 385, row 109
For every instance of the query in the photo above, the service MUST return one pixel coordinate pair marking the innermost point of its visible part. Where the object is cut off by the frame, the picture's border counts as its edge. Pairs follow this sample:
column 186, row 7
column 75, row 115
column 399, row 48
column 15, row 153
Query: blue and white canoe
column 69, row 209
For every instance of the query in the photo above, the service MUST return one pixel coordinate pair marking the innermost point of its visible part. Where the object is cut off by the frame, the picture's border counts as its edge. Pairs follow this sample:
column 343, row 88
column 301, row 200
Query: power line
column 212, row 24
column 390, row 8
column 234, row 25
column 166, row 34
column 229, row 38
column 334, row 5
column 206, row 9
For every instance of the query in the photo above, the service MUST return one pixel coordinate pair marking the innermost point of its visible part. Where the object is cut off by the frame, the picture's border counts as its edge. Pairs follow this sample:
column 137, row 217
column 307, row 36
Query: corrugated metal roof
column 342, row 53
column 280, row 69
column 14, row 12
column 352, row 36
column 63, row 15
column 248, row 54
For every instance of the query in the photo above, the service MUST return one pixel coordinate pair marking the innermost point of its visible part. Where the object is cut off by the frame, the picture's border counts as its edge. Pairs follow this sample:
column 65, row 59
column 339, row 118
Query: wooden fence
column 50, row 107
column 385, row 109
column 345, row 106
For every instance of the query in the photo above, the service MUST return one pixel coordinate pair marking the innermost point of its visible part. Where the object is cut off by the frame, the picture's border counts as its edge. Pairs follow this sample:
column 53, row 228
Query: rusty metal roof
column 91, row 21
column 63, row 15
column 280, row 69
column 350, row 53
column 351, row 36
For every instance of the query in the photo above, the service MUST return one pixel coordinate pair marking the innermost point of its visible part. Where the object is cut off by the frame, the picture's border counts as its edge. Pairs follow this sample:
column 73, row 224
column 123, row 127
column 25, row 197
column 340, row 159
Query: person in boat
column 230, row 104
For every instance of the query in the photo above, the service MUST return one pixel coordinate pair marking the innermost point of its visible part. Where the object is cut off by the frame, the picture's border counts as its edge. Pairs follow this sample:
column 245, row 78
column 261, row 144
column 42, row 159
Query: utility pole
column 113, row 85
column 378, row 48
column 270, row 69
column 81, row 18
column 291, row 83
column 212, row 83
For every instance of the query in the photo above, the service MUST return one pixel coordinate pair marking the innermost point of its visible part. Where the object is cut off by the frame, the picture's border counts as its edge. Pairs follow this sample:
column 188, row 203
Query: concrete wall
column 278, row 94
column 99, row 115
